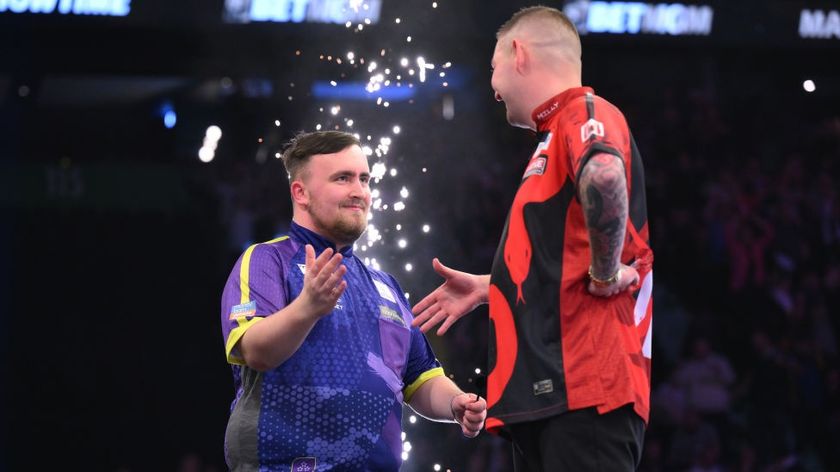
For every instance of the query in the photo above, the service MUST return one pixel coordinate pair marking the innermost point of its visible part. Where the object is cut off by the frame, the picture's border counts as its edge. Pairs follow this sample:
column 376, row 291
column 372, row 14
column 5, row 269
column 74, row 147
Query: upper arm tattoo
column 603, row 195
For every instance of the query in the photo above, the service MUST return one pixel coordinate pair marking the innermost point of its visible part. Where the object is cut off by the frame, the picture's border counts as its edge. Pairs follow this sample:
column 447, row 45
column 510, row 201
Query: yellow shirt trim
column 245, row 291
column 424, row 377
column 235, row 336
column 245, row 275
column 245, row 270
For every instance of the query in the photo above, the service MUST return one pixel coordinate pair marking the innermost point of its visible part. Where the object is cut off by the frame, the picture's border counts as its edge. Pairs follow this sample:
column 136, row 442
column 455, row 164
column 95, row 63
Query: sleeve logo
column 243, row 310
column 590, row 129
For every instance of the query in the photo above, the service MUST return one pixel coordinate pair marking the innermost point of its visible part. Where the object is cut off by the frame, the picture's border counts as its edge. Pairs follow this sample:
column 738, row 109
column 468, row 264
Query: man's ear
column 299, row 193
column 520, row 55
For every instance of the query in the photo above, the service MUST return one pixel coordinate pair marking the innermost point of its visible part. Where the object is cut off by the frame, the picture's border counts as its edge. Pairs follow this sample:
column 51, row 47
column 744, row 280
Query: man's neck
column 545, row 88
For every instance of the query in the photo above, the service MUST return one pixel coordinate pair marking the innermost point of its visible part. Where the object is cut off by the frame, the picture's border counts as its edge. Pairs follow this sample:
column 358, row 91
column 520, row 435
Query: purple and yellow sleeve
column 422, row 365
column 255, row 289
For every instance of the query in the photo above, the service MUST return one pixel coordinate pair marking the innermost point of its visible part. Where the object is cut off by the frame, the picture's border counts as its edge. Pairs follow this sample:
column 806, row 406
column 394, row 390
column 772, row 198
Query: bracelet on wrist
column 604, row 282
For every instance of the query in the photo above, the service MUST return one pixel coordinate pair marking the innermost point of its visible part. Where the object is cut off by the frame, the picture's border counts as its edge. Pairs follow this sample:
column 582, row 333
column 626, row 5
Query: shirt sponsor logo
column 299, row 11
column 543, row 386
column 590, row 129
column 819, row 24
column 384, row 291
column 675, row 19
column 243, row 310
column 304, row 464
column 390, row 314
column 68, row 7
column 536, row 167
column 548, row 111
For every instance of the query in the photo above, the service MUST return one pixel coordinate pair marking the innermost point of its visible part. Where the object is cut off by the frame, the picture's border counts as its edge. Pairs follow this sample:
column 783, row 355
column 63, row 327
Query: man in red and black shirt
column 570, row 287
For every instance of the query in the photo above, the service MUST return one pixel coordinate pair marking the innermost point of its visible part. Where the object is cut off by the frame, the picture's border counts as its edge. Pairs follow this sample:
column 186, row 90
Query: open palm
column 459, row 294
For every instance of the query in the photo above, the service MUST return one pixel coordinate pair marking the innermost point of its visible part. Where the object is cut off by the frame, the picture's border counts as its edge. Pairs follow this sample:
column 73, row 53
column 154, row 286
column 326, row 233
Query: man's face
column 338, row 191
column 503, row 81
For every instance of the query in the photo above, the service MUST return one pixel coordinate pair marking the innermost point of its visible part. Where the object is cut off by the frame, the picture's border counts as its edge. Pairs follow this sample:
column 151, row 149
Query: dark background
column 115, row 240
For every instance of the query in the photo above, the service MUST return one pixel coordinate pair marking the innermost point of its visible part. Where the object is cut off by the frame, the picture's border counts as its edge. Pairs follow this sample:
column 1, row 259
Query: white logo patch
column 591, row 128
column 385, row 291
column 536, row 167
column 543, row 386
column 302, row 268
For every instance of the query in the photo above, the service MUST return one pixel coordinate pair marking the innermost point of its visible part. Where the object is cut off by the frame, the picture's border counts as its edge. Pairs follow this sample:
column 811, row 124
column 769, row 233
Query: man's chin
column 350, row 233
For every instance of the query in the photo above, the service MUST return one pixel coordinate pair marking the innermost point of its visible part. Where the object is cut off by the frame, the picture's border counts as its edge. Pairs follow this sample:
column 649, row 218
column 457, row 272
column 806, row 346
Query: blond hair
column 552, row 25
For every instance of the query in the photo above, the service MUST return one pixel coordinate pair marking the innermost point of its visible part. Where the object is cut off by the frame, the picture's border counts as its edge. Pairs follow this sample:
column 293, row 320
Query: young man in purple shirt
column 322, row 347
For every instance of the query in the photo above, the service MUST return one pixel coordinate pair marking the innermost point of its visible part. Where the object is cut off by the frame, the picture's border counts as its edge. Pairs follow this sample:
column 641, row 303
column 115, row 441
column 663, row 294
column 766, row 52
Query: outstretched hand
column 470, row 411
column 323, row 282
column 459, row 294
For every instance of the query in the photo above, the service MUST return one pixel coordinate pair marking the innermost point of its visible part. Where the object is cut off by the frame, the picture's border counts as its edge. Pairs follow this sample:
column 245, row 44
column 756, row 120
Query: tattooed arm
column 603, row 195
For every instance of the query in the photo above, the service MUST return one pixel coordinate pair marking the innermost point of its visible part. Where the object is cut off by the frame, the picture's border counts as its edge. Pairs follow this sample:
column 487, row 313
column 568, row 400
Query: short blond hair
column 547, row 27
column 538, row 12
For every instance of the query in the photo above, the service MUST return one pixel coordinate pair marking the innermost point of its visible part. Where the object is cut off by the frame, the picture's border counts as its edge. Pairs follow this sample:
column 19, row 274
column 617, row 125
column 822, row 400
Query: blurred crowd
column 745, row 228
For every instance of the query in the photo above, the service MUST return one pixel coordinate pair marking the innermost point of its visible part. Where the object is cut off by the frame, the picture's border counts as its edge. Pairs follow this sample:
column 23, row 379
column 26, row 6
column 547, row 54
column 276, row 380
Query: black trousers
column 580, row 441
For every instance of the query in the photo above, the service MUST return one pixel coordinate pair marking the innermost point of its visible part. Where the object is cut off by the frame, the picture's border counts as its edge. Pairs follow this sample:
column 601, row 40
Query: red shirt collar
column 543, row 113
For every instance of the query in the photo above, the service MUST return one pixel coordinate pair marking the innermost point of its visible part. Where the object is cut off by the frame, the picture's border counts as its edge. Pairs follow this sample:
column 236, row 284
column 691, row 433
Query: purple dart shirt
column 335, row 404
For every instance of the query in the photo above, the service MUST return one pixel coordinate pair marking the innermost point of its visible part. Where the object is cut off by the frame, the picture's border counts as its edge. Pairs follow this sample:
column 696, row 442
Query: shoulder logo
column 243, row 310
column 591, row 128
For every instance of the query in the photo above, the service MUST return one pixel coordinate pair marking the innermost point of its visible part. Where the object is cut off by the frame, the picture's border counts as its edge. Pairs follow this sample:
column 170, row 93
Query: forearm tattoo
column 603, row 195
